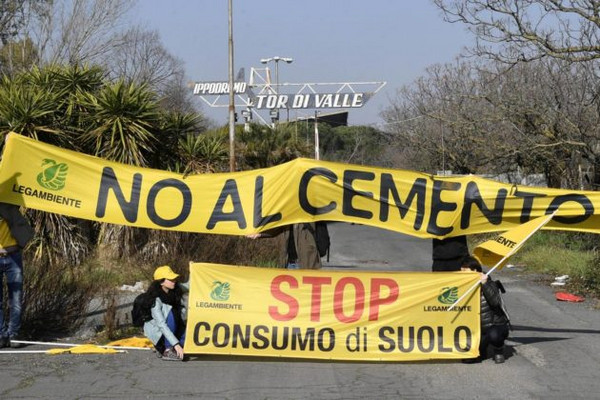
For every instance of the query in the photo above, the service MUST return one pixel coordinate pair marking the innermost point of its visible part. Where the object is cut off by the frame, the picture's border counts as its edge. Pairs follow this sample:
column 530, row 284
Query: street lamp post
column 231, row 93
column 276, row 60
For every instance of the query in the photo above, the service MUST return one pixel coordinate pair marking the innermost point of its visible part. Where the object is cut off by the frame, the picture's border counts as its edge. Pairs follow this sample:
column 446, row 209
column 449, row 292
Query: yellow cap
column 165, row 272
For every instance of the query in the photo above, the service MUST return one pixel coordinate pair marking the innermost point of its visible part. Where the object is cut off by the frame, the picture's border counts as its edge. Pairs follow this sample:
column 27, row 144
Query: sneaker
column 499, row 358
column 4, row 342
column 170, row 355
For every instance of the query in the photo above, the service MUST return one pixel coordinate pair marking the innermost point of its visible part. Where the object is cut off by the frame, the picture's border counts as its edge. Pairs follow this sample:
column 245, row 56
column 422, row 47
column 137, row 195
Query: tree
column 537, row 117
column 353, row 144
column 18, row 55
column 525, row 30
column 121, row 121
column 440, row 120
column 79, row 31
column 140, row 57
column 17, row 17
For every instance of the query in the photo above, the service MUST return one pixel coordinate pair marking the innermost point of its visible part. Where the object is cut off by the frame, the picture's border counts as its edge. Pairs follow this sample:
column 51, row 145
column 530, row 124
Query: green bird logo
column 220, row 291
column 449, row 295
column 53, row 175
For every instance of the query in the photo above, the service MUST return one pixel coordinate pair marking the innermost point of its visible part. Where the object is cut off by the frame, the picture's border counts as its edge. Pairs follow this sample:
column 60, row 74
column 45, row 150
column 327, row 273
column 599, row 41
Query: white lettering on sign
column 218, row 88
column 312, row 100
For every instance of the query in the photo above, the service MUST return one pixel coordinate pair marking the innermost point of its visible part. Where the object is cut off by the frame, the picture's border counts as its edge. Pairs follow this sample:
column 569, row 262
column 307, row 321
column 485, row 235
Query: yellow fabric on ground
column 132, row 342
column 83, row 349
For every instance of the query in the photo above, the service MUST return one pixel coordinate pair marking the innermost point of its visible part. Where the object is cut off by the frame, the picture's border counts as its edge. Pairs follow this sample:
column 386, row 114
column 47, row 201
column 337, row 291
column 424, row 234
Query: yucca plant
column 203, row 153
column 29, row 110
column 121, row 123
column 262, row 146
column 173, row 127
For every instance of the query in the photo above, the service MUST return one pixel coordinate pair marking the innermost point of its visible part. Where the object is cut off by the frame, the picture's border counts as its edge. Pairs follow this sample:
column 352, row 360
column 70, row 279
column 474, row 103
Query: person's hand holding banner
column 496, row 252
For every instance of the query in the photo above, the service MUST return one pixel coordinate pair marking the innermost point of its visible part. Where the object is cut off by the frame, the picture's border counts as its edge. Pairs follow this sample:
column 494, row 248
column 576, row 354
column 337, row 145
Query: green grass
column 563, row 253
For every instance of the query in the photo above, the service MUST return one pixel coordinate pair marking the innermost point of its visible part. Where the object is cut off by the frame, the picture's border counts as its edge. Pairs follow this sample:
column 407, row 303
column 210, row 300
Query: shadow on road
column 558, row 330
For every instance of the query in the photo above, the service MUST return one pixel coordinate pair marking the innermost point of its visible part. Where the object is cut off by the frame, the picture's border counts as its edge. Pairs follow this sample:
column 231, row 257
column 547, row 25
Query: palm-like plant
column 29, row 110
column 174, row 127
column 39, row 103
column 263, row 146
column 122, row 119
column 203, row 153
column 69, row 83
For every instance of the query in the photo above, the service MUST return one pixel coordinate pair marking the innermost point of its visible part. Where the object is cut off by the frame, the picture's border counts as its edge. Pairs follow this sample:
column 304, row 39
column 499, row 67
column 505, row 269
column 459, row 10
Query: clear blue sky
column 329, row 40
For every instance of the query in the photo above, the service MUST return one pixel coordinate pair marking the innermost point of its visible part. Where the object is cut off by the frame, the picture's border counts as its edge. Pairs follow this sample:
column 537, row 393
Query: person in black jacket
column 495, row 322
column 447, row 254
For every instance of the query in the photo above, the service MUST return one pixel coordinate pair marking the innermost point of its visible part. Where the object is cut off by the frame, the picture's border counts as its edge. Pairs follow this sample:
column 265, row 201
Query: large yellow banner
column 331, row 314
column 48, row 178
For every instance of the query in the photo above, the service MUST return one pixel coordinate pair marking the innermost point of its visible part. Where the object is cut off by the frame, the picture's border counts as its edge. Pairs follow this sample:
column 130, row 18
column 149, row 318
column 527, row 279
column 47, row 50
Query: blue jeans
column 12, row 267
column 173, row 327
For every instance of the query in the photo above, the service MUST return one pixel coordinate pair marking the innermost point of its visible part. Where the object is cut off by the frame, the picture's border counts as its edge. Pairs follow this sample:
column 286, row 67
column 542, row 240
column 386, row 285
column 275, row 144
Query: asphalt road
column 553, row 353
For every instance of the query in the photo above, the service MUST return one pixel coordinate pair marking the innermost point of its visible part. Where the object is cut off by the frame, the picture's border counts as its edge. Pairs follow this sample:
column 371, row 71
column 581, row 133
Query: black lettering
column 303, row 191
column 467, row 332
column 242, row 337
column 284, row 338
column 259, row 219
column 527, row 203
column 411, row 339
column 216, row 333
column 350, row 192
column 109, row 182
column 473, row 196
column 298, row 342
column 587, row 205
column 418, row 190
column 218, row 215
column 420, row 339
column 382, row 336
column 185, row 209
column 440, row 340
column 331, row 339
column 262, row 341
column 437, row 206
column 197, row 341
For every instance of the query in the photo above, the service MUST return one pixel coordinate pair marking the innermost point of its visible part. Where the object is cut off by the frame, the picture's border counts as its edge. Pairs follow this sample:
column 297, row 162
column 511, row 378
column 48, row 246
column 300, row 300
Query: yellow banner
column 331, row 314
column 48, row 178
column 491, row 252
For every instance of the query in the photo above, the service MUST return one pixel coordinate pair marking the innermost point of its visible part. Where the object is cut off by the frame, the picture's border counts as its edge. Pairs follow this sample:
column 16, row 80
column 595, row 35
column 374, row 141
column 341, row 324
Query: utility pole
column 231, row 94
column 316, row 135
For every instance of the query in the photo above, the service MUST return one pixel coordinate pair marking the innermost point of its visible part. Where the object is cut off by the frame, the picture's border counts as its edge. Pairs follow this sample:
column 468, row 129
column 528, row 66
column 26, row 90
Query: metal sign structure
column 261, row 94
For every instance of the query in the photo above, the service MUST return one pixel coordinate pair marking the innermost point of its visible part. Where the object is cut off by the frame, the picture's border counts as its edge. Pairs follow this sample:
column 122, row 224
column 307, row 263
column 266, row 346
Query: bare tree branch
column 525, row 30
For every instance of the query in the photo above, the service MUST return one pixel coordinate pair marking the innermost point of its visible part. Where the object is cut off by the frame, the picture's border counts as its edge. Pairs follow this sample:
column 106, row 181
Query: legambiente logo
column 449, row 295
column 53, row 175
column 220, row 291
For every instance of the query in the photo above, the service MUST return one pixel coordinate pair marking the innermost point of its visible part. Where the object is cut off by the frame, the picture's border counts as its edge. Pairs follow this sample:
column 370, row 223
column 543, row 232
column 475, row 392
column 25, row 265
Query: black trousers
column 495, row 335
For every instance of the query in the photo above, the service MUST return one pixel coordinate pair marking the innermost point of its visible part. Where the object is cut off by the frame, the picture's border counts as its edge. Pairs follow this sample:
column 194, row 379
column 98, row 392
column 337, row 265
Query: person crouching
column 166, row 329
column 495, row 322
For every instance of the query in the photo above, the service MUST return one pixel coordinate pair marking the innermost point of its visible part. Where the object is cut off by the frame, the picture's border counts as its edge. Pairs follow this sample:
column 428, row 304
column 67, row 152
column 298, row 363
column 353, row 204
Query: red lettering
column 315, row 295
column 376, row 300
column 291, row 301
column 338, row 299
